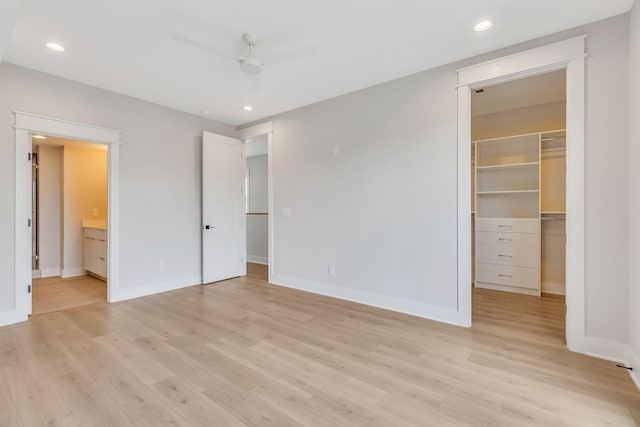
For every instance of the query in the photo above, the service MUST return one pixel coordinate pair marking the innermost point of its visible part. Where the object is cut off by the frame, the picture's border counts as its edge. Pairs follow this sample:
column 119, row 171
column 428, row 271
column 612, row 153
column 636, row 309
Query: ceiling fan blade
column 291, row 55
column 203, row 46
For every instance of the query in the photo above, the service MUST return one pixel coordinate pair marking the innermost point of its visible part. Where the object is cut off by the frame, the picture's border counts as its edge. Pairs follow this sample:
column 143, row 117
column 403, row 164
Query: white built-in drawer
column 508, row 225
column 508, row 239
column 517, row 255
column 522, row 277
column 95, row 233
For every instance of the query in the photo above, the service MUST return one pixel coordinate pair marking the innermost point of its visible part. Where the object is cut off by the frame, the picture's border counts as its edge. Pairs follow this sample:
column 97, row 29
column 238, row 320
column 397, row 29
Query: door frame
column 265, row 128
column 27, row 124
column 570, row 55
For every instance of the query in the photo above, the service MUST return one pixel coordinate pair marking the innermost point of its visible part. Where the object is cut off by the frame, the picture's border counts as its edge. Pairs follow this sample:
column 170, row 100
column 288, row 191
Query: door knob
column 208, row 227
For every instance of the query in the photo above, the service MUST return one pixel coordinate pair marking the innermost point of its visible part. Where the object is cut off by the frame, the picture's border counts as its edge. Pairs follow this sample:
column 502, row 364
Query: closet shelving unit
column 508, row 209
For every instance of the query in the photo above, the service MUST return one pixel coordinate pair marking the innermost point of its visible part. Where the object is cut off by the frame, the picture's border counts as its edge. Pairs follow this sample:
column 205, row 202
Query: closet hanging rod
column 553, row 138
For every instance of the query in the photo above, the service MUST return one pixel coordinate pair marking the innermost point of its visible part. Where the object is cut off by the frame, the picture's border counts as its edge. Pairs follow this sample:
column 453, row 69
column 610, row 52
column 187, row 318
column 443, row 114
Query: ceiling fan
column 249, row 63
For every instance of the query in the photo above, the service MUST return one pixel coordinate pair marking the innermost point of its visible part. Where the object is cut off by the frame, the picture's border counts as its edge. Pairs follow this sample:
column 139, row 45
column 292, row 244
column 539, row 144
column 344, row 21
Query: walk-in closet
column 518, row 192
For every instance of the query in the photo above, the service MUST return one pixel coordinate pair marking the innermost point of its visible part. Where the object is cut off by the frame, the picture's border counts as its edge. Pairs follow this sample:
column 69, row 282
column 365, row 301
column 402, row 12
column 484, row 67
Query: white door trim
column 265, row 128
column 570, row 55
column 25, row 125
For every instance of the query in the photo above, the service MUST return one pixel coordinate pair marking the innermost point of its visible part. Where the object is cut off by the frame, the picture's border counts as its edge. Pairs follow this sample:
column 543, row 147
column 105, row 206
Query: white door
column 223, row 210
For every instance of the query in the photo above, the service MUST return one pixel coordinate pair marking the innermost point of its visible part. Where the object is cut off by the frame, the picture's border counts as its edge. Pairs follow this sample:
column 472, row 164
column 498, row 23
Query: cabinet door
column 101, row 257
column 88, row 254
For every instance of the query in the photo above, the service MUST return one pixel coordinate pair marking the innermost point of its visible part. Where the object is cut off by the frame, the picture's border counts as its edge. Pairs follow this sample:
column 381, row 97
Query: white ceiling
column 126, row 46
column 527, row 92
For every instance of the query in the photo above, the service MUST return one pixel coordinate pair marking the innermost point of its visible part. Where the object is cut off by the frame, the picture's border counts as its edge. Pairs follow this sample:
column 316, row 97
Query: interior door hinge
column 28, row 289
column 28, row 156
column 28, row 222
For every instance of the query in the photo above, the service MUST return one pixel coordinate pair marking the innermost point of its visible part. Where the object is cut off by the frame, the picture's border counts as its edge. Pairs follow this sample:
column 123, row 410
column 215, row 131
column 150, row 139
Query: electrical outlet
column 336, row 150
column 161, row 266
column 332, row 270
column 95, row 212
column 286, row 211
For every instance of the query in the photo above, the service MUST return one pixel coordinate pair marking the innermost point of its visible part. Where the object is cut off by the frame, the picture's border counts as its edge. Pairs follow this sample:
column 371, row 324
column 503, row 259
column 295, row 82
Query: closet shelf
column 508, row 166
column 507, row 192
column 552, row 212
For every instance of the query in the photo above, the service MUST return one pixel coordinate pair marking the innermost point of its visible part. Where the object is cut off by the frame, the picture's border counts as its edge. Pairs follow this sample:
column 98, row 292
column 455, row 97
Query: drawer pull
column 505, row 226
column 505, row 275
column 505, row 256
column 503, row 239
column 101, row 258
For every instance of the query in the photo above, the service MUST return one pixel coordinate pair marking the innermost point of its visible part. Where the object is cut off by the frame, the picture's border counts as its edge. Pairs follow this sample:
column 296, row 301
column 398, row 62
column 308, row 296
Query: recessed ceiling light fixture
column 57, row 47
column 205, row 112
column 483, row 25
column 39, row 137
column 248, row 108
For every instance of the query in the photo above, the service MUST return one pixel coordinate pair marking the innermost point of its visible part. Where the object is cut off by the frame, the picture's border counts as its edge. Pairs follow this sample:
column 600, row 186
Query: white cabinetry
column 507, row 220
column 95, row 251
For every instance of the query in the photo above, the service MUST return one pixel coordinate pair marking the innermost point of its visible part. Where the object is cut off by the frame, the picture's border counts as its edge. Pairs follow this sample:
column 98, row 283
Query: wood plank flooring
column 242, row 352
column 54, row 293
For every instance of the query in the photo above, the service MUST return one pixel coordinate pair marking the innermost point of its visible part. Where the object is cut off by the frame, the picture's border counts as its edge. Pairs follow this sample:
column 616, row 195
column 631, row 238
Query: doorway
column 518, row 209
column 27, row 125
column 226, row 211
column 568, row 55
column 69, row 223
column 257, row 206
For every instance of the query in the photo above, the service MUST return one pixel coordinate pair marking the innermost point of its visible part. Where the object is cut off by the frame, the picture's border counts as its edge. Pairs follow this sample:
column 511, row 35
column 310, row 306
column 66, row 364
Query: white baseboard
column 607, row 350
column 258, row 259
column 156, row 288
column 553, row 288
column 50, row 272
column 440, row 314
column 11, row 317
column 36, row 274
column 72, row 272
column 506, row 288
column 634, row 362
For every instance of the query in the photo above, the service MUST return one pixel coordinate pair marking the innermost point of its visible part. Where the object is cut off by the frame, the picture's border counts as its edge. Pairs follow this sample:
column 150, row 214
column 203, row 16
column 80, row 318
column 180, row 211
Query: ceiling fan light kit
column 251, row 65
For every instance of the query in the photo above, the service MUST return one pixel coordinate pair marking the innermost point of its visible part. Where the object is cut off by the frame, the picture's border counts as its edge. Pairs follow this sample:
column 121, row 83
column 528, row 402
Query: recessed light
column 205, row 112
column 55, row 46
column 248, row 108
column 483, row 25
column 39, row 137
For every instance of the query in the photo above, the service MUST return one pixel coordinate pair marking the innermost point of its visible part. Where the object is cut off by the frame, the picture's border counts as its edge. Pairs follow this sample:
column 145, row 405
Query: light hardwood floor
column 242, row 352
column 54, row 293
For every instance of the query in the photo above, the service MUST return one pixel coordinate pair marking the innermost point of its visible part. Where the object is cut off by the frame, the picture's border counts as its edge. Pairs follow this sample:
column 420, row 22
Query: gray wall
column 49, row 160
column 159, row 173
column 634, row 189
column 258, row 225
column 384, row 210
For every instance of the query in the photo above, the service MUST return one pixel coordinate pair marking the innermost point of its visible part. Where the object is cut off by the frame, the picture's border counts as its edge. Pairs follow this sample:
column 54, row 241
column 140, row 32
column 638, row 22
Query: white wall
column 538, row 118
column 159, row 175
column 258, row 186
column 49, row 166
column 258, row 225
column 384, row 210
column 84, row 189
column 9, row 11
column 634, row 192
